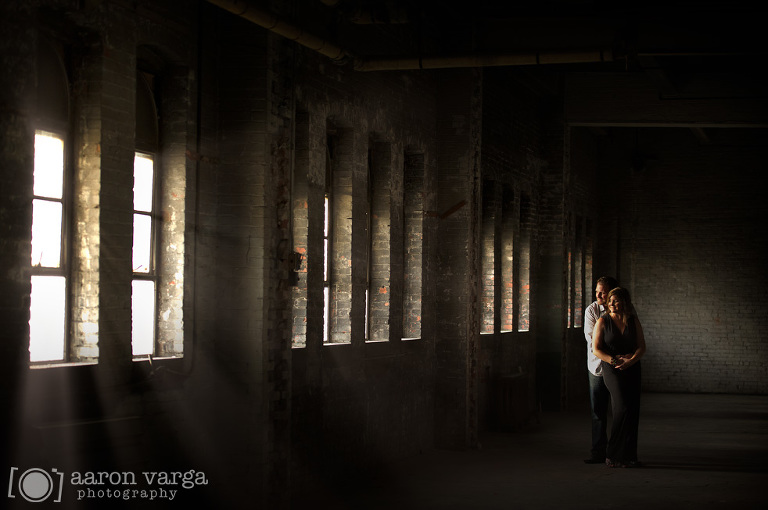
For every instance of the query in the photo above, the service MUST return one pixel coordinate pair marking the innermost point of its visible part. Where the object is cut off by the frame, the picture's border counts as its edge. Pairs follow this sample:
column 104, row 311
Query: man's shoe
column 594, row 460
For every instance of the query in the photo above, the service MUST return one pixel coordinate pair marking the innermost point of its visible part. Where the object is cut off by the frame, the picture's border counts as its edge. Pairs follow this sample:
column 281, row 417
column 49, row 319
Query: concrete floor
column 700, row 452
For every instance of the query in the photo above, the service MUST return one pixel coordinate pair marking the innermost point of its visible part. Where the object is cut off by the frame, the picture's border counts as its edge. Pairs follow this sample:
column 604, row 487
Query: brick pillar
column 550, row 284
column 116, row 114
column 245, row 230
column 17, row 50
column 178, row 130
column 459, row 136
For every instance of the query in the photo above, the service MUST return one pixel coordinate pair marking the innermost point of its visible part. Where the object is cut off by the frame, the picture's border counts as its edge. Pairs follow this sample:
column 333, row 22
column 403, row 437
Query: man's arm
column 590, row 318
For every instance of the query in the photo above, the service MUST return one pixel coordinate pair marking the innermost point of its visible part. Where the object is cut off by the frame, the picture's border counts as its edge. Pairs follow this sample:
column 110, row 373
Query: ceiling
column 703, row 52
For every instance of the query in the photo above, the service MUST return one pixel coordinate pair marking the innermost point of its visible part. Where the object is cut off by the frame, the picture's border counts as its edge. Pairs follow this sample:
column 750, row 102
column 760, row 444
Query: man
column 599, row 397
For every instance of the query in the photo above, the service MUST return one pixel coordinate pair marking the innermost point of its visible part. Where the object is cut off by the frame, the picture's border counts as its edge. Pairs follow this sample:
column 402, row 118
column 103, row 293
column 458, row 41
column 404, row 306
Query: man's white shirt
column 591, row 315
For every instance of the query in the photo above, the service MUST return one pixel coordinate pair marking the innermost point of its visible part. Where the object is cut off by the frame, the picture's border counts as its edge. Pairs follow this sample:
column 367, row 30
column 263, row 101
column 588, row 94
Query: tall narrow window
column 51, row 206
column 330, row 150
column 144, row 284
column 379, row 286
column 569, row 287
column 48, row 308
column 300, row 225
column 338, row 236
column 326, row 267
column 578, row 276
column 508, row 220
column 524, row 288
column 369, row 245
column 161, row 236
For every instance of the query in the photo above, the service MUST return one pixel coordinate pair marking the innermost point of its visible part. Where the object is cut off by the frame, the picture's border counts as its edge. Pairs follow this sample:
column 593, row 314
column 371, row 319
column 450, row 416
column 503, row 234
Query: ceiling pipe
column 485, row 60
column 389, row 14
column 287, row 30
column 392, row 17
column 274, row 24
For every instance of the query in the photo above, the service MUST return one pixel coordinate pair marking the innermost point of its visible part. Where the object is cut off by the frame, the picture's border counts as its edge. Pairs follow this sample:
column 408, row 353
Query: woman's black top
column 616, row 342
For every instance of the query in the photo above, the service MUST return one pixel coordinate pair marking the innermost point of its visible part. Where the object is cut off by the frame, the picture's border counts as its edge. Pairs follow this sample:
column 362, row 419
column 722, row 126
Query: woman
column 619, row 343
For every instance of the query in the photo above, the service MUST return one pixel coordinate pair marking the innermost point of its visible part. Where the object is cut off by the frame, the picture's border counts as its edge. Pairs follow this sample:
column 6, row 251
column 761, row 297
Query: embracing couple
column 615, row 344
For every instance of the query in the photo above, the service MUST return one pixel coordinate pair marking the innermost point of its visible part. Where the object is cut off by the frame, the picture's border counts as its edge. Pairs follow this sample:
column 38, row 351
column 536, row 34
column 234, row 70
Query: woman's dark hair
column 622, row 295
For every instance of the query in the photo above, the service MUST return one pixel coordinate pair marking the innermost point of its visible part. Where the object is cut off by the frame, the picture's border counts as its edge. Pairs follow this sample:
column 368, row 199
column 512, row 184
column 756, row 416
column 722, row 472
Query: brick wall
column 100, row 44
column 583, row 205
column 354, row 403
column 692, row 242
column 248, row 119
column 17, row 48
column 381, row 245
column 512, row 161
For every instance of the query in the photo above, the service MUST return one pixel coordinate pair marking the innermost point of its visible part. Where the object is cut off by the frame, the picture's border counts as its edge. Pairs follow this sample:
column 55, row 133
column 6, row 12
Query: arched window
column 159, row 207
column 144, row 259
column 50, row 207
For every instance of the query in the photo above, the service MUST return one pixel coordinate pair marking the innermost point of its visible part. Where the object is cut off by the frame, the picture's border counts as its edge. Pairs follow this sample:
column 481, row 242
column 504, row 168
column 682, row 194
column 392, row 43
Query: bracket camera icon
column 36, row 485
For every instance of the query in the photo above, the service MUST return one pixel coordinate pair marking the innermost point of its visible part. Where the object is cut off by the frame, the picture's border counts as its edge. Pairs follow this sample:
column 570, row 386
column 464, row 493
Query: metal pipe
column 287, row 30
column 485, row 60
column 274, row 24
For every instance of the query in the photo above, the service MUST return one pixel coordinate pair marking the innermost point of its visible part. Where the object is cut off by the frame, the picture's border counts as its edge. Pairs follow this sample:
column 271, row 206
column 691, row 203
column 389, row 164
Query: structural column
column 458, row 333
column 551, row 297
column 17, row 50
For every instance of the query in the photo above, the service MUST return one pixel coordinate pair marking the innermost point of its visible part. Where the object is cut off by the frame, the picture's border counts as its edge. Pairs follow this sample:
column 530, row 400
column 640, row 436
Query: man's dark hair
column 607, row 281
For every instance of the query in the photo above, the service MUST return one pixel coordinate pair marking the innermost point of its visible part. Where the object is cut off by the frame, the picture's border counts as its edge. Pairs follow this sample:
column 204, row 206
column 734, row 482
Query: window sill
column 43, row 365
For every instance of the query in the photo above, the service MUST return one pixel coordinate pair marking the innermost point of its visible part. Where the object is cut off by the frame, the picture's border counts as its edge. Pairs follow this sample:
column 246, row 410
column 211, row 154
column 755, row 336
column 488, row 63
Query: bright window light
column 143, row 176
column 47, row 318
column 143, row 181
column 142, row 242
column 326, row 229
column 367, row 313
column 143, row 318
column 327, row 216
column 48, row 183
column 46, row 233
column 47, row 312
column 326, row 289
column 326, row 312
column 49, row 166
column 143, row 292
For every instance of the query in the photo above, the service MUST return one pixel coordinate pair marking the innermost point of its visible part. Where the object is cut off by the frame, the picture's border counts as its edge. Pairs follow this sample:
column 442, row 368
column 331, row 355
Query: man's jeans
column 600, row 399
